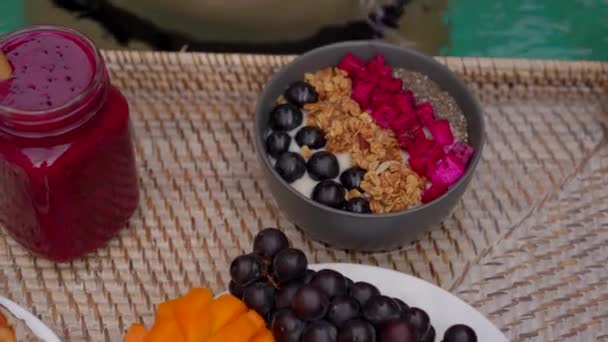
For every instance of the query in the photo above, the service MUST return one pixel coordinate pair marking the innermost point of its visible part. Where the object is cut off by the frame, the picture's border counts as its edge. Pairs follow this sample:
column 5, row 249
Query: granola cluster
column 389, row 184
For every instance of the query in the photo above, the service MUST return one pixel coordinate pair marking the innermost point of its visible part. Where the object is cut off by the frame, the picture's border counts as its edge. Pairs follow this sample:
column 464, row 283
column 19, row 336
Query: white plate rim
column 33, row 323
column 349, row 268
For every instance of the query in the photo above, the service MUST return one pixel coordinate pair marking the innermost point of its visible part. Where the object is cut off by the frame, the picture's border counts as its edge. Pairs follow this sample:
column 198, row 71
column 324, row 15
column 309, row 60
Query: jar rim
column 44, row 115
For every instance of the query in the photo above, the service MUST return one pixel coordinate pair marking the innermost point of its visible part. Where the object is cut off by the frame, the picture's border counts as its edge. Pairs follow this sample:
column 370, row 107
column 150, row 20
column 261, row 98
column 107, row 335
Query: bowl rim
column 259, row 141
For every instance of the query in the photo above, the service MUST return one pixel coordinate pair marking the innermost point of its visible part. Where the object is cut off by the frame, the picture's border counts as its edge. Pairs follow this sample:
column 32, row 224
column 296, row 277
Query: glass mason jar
column 67, row 167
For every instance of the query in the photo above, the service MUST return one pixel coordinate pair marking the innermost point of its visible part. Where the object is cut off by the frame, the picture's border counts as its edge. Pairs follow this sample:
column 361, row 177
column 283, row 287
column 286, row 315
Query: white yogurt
column 305, row 185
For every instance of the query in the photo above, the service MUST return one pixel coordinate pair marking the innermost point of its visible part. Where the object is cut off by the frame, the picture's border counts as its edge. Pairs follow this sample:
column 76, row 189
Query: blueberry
column 300, row 93
column 323, row 165
column 358, row 205
column 277, row 143
column 329, row 193
column 311, row 136
column 285, row 117
column 290, row 166
column 351, row 178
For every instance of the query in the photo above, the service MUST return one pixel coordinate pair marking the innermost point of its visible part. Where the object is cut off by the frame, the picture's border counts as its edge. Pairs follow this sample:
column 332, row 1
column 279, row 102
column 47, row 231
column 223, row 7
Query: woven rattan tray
column 528, row 244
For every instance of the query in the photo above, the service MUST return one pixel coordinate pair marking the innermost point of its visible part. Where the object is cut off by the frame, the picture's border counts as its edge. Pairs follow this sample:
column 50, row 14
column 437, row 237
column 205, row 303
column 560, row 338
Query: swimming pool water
column 561, row 29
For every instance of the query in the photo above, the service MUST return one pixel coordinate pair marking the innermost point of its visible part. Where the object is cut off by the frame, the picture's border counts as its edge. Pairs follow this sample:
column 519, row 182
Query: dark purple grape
column 309, row 303
column 285, row 117
column 419, row 319
column 430, row 336
column 358, row 205
column 357, row 330
column 300, row 93
column 329, row 193
column 363, row 291
column 259, row 297
column 403, row 308
column 460, row 333
column 349, row 283
column 342, row 309
column 320, row 331
column 235, row 290
column 329, row 282
column 311, row 136
column 284, row 295
column 269, row 241
column 286, row 327
column 380, row 309
column 246, row 269
column 290, row 166
column 289, row 264
column 308, row 276
column 277, row 143
column 323, row 165
column 351, row 178
column 398, row 331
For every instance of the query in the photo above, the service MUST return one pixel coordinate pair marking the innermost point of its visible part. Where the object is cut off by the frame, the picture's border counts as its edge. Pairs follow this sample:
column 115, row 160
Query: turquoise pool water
column 561, row 29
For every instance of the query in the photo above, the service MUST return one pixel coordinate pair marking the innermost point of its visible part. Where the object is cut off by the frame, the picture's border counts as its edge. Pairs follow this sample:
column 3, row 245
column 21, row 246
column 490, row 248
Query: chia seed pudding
column 367, row 138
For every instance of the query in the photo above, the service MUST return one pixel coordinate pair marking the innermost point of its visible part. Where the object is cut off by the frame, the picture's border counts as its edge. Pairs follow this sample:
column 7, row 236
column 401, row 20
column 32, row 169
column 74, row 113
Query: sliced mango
column 5, row 68
column 136, row 333
column 242, row 329
column 193, row 314
column 263, row 335
column 165, row 330
column 7, row 334
column 224, row 310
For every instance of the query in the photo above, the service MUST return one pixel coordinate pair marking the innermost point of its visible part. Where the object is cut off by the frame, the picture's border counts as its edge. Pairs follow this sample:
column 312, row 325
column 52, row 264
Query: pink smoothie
column 67, row 167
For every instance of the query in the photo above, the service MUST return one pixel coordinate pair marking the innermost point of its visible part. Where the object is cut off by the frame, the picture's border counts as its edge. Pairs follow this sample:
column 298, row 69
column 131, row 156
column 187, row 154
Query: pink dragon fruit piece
column 380, row 120
column 362, row 94
column 448, row 171
column 378, row 65
column 403, row 123
column 351, row 63
column 425, row 113
column 422, row 165
column 405, row 101
column 463, row 152
column 368, row 76
column 381, row 97
column 441, row 131
column 434, row 192
column 391, row 84
column 414, row 141
column 387, row 112
column 435, row 151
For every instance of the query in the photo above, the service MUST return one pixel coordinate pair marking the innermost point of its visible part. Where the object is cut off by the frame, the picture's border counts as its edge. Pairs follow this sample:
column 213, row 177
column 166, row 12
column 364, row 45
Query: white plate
column 444, row 308
column 35, row 325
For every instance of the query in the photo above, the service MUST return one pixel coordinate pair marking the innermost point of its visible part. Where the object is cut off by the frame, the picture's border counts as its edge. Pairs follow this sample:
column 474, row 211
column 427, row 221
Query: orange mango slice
column 165, row 330
column 136, row 333
column 242, row 329
column 224, row 310
column 193, row 314
column 5, row 68
column 263, row 335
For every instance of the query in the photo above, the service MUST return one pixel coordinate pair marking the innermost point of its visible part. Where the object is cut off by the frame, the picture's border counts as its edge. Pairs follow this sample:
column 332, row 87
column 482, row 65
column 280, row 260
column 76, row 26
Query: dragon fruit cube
column 381, row 97
column 441, row 131
column 391, row 84
column 404, row 122
column 463, row 152
column 351, row 63
column 405, row 101
column 425, row 113
column 435, row 151
column 378, row 65
column 362, row 94
column 386, row 111
column 422, row 165
column 435, row 191
column 448, row 171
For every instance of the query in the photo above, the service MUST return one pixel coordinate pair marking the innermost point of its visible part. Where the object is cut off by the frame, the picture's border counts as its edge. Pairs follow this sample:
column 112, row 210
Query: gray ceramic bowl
column 371, row 232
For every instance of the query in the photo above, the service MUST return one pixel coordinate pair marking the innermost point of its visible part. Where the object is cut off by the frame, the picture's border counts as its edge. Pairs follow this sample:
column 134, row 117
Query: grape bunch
column 301, row 305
